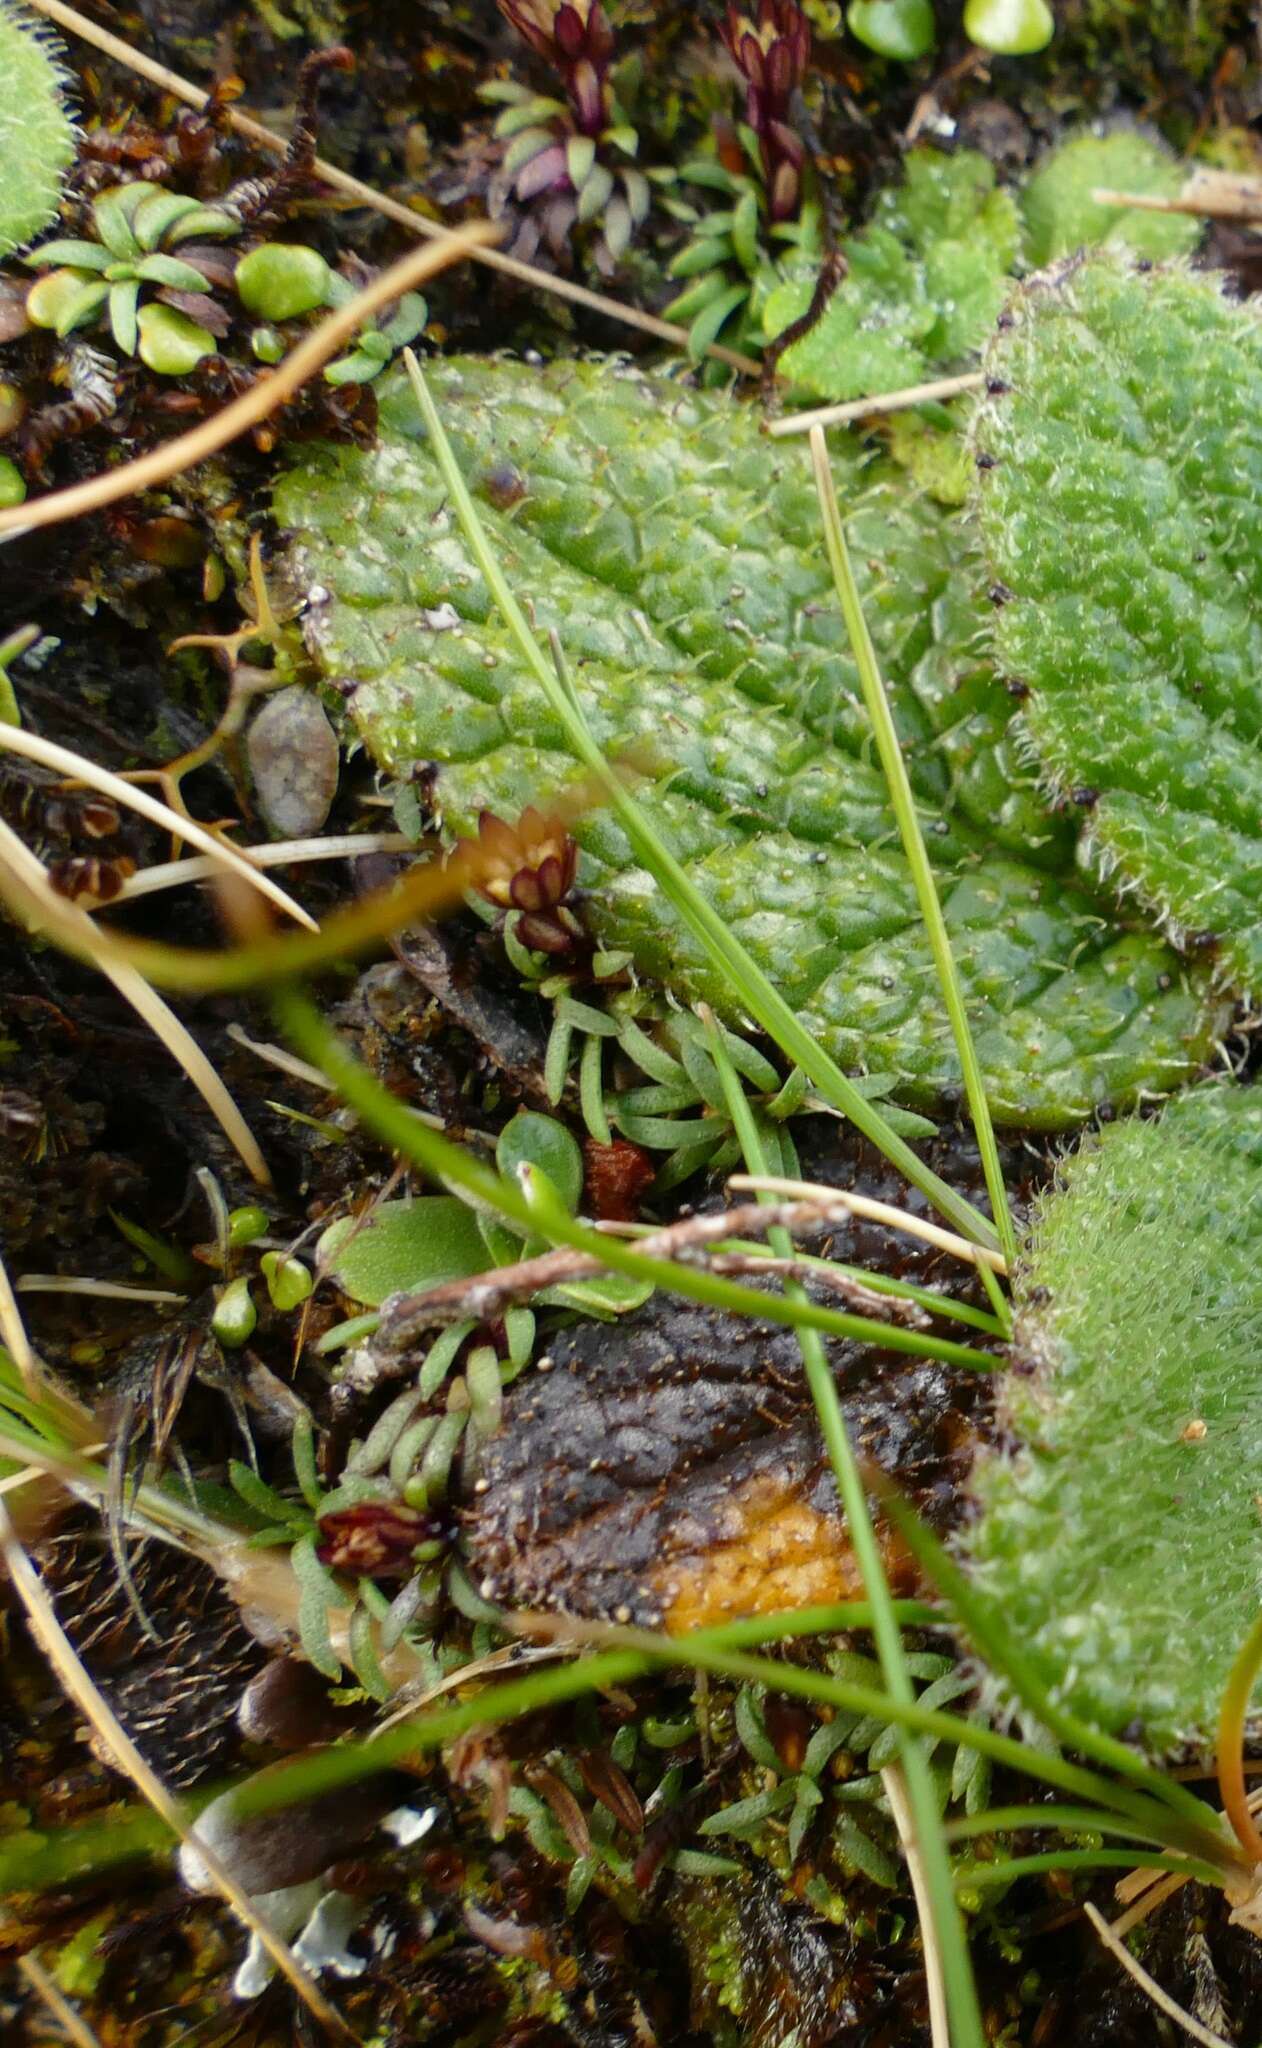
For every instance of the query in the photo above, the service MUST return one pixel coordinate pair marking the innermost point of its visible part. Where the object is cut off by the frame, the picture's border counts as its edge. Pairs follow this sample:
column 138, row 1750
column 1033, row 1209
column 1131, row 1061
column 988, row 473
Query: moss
column 1136, row 38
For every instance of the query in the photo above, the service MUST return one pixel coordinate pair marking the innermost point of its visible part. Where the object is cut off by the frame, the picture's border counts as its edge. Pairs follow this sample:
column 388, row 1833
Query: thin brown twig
column 487, row 1295
column 262, row 398
column 125, row 1756
column 329, row 174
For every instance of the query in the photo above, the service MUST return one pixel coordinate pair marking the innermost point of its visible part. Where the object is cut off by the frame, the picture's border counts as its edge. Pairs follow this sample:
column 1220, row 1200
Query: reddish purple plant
column 771, row 51
column 531, row 868
column 577, row 41
column 571, row 154
column 374, row 1540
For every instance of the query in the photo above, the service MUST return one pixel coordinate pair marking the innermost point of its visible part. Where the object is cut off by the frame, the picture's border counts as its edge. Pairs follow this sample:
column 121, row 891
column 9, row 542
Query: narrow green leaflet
column 1120, row 1538
column 1120, row 489
column 676, row 551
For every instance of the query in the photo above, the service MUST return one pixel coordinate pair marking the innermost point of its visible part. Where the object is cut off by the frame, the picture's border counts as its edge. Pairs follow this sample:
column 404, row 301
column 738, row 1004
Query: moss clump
column 1134, row 38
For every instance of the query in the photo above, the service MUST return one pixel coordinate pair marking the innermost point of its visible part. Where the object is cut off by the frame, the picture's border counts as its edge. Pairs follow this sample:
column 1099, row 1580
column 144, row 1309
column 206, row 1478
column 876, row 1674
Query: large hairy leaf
column 1121, row 485
column 676, row 551
column 1121, row 1538
column 37, row 137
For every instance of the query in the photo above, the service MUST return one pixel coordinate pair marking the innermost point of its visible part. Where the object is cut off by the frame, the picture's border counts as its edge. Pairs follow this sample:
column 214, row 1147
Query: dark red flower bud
column 374, row 1540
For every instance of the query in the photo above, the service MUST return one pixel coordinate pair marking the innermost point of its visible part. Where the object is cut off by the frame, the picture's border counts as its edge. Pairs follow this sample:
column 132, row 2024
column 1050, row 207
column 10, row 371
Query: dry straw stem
column 263, row 397
column 353, row 188
column 1210, row 194
column 125, row 1756
column 895, row 1784
column 280, row 853
column 881, row 401
column 873, row 1212
column 425, row 890
column 73, row 2025
column 52, row 916
column 1149, row 1985
column 35, row 748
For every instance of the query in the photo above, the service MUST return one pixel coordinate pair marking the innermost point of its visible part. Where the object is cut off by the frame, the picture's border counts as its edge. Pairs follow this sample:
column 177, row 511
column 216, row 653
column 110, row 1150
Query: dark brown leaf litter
column 668, row 1469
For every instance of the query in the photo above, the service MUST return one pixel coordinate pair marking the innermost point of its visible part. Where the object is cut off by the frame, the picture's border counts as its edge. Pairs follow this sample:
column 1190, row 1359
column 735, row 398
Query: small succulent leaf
column 403, row 1247
column 407, row 321
column 77, row 308
column 158, row 212
column 525, row 145
column 357, row 368
column 527, row 113
column 112, row 218
column 1061, row 213
column 745, row 232
column 203, row 222
column 699, row 259
column 705, row 327
column 617, row 227
column 1114, row 474
column 123, row 301
column 317, row 1592
column 160, row 269
column 580, row 158
column 1119, row 1533
column 596, row 193
column 1011, row 28
column 730, row 658
column 81, row 255
column 902, row 29
column 535, row 1140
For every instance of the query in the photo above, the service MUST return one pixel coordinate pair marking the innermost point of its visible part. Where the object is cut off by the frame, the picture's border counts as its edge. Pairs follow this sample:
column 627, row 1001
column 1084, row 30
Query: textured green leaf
column 1120, row 1539
column 37, row 137
column 675, row 549
column 1061, row 215
column 1121, row 512
column 926, row 281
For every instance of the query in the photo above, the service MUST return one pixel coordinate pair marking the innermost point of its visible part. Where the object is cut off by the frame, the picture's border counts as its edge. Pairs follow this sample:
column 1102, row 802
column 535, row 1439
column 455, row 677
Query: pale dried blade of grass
column 354, row 188
column 46, row 1989
column 33, row 747
column 16, row 1341
column 254, row 405
column 79, row 1688
column 874, row 1212
column 1149, row 1985
column 199, row 867
column 880, row 401
column 900, row 1806
column 146, row 1002
column 105, row 1290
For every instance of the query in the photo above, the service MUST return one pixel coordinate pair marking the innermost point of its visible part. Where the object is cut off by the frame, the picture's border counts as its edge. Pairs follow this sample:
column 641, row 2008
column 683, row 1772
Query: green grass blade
column 961, row 1990
column 1005, row 1654
column 749, row 984
column 904, row 807
column 438, row 1157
